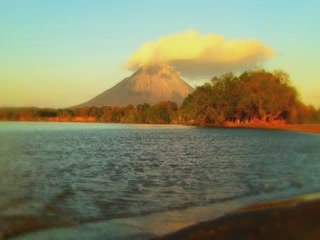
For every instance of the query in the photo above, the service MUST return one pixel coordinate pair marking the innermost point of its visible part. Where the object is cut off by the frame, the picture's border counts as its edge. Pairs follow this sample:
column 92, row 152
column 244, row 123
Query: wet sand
column 16, row 225
column 295, row 218
column 291, row 219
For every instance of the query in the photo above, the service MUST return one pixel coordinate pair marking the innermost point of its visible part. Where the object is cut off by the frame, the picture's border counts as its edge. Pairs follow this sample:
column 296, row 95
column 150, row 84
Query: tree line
column 253, row 96
column 164, row 112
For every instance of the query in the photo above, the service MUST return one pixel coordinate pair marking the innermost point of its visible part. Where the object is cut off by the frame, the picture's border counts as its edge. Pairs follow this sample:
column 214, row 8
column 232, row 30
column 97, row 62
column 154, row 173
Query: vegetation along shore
column 258, row 99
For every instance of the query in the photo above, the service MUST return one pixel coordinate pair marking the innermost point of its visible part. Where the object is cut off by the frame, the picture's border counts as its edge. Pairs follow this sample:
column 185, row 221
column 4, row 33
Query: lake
column 99, row 172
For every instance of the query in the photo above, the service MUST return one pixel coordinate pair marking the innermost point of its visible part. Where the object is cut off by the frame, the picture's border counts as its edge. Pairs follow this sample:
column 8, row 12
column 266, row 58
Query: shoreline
column 296, row 218
column 245, row 219
column 304, row 128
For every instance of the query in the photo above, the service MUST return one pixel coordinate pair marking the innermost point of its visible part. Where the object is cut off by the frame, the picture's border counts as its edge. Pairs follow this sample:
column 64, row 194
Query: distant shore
column 305, row 128
column 290, row 219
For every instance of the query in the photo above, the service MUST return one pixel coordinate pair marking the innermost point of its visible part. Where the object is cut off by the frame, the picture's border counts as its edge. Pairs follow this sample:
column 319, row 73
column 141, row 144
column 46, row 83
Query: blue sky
column 58, row 53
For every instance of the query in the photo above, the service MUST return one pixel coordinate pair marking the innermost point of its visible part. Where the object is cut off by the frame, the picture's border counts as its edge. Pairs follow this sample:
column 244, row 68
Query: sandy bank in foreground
column 291, row 219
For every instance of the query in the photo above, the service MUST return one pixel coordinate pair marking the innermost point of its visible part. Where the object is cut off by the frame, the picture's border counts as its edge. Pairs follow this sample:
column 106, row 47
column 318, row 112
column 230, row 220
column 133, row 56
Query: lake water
column 89, row 172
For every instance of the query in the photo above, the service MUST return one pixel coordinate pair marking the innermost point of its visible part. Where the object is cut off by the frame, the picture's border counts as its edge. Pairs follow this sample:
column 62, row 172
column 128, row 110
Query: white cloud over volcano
column 195, row 56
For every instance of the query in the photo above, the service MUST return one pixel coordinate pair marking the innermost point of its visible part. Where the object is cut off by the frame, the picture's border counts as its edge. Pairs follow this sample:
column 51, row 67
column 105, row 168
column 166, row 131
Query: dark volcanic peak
column 149, row 84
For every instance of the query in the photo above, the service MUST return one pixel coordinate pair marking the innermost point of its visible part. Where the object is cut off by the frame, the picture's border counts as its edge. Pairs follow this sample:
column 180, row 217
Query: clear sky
column 58, row 53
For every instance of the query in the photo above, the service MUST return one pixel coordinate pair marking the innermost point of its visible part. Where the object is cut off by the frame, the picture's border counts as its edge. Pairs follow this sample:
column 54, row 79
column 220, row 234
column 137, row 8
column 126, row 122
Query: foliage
column 164, row 112
column 253, row 96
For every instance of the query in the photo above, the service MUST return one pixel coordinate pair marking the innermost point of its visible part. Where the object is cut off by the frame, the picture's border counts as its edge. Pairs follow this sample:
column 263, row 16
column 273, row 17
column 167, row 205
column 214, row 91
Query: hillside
column 149, row 84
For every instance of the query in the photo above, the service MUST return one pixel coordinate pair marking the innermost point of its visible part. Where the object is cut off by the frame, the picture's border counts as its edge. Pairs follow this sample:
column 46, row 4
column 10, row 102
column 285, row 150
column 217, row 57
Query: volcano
column 149, row 84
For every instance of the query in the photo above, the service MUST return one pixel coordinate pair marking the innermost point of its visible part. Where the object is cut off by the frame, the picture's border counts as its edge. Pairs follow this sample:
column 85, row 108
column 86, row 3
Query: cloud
column 195, row 56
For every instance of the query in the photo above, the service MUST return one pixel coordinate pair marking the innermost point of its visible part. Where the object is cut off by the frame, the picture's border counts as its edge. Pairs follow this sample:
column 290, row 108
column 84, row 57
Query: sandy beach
column 290, row 219
column 293, row 218
column 305, row 128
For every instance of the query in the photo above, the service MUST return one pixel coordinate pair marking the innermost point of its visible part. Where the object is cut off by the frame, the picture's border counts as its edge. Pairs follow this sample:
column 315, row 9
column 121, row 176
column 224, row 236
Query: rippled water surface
column 105, row 171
